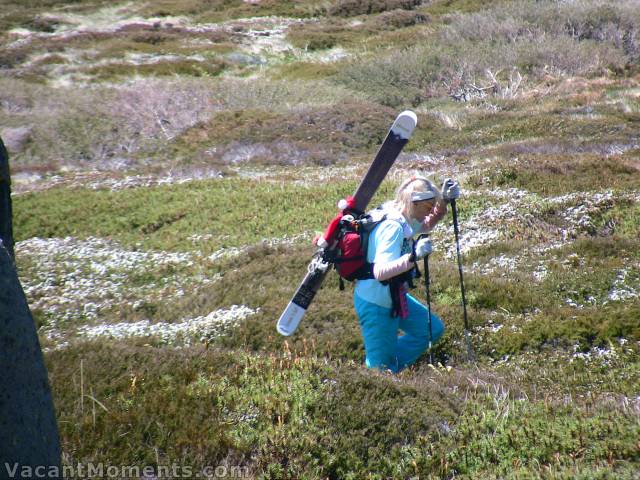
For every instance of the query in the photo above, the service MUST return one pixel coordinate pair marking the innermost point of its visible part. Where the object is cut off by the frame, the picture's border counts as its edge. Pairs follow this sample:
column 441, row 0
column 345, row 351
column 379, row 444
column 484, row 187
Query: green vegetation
column 232, row 211
column 292, row 415
column 172, row 161
column 560, row 174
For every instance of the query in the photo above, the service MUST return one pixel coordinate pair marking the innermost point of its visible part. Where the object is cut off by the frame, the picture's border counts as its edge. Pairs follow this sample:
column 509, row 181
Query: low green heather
column 193, row 68
column 560, row 174
column 211, row 216
column 282, row 414
column 229, row 212
column 297, row 415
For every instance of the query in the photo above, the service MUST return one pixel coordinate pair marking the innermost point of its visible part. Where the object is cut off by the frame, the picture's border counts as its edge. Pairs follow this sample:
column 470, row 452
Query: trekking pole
column 427, row 285
column 467, row 334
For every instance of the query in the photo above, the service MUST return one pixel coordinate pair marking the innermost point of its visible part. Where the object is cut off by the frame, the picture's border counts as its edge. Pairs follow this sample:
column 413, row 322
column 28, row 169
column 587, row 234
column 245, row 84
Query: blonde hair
column 415, row 184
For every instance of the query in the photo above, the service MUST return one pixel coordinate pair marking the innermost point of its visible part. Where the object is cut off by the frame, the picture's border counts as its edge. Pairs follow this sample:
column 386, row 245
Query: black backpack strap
column 364, row 238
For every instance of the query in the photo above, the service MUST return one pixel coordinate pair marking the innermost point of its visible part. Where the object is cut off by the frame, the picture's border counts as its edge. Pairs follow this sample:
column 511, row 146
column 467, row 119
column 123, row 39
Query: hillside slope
column 171, row 161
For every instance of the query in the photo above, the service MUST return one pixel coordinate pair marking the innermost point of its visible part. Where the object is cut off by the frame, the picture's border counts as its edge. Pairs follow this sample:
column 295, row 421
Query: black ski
column 393, row 144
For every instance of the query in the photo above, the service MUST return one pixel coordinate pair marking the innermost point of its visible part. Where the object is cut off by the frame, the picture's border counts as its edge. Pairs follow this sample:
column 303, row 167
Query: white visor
column 419, row 196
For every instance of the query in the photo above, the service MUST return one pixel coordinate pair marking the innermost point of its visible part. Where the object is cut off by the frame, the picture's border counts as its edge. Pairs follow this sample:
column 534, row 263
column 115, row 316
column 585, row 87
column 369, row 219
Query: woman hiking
column 382, row 304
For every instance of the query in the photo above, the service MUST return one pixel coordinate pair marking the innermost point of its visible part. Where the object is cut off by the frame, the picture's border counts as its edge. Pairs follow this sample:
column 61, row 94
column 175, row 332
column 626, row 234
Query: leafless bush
column 566, row 56
column 65, row 125
column 15, row 139
column 616, row 23
column 75, row 128
column 16, row 96
column 116, row 126
column 524, row 62
column 162, row 109
column 506, row 87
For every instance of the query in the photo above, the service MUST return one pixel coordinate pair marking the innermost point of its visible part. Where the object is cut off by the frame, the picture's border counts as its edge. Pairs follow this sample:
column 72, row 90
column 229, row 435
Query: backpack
column 353, row 243
column 350, row 233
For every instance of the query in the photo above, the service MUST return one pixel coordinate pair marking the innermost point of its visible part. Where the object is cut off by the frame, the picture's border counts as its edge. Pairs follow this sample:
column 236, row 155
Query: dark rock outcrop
column 28, row 431
column 6, row 214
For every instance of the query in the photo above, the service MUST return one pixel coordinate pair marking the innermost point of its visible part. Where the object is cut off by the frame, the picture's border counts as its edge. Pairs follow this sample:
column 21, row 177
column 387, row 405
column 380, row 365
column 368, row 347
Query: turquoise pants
column 384, row 349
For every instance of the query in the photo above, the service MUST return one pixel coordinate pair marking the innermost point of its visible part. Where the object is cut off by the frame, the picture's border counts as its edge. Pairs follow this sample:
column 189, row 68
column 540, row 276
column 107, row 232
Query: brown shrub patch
column 351, row 8
column 400, row 19
column 332, row 131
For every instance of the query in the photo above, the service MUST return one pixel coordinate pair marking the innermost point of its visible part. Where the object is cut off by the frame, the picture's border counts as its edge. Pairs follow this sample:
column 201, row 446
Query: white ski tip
column 290, row 319
column 404, row 124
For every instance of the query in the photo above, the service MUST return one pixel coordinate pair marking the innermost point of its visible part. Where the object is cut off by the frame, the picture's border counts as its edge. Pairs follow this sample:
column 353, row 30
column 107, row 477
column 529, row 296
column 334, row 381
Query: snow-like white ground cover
column 73, row 279
column 199, row 329
column 509, row 207
column 581, row 206
column 626, row 285
column 78, row 283
column 105, row 180
column 512, row 207
column 84, row 281
column 577, row 210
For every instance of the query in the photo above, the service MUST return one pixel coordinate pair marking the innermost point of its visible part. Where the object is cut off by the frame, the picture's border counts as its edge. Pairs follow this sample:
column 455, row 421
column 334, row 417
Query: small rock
column 16, row 139
column 244, row 59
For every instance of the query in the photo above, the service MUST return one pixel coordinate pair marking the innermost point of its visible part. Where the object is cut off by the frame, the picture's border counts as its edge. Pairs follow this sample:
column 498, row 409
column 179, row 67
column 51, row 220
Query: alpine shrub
column 351, row 8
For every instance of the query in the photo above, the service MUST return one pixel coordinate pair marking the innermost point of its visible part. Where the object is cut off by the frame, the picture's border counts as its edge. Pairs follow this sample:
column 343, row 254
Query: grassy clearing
column 167, row 216
column 211, row 217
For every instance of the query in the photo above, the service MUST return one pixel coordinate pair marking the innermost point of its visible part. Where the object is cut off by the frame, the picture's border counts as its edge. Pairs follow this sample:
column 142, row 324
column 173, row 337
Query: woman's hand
column 422, row 248
column 450, row 190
